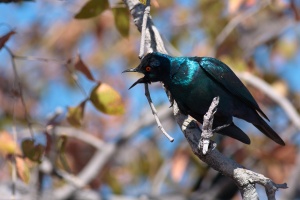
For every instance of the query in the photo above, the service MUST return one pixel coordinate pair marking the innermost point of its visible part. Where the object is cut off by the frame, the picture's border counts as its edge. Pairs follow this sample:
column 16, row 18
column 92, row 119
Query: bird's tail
column 235, row 132
column 268, row 131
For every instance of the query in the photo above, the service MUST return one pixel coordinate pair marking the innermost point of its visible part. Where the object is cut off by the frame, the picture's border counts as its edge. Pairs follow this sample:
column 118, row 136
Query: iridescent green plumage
column 193, row 83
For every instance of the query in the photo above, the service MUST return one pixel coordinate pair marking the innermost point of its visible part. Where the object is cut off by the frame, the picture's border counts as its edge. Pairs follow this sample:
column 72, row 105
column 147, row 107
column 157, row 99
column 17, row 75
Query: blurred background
column 75, row 149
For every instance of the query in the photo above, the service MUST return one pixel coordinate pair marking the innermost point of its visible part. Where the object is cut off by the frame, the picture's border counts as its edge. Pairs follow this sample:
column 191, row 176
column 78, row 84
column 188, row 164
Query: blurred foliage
column 70, row 61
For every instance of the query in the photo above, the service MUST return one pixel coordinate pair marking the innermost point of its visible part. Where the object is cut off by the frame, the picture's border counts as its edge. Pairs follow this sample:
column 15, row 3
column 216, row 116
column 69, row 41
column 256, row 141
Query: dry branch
column 245, row 179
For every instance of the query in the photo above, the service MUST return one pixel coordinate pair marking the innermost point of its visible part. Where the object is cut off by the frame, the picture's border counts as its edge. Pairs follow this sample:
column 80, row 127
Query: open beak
column 141, row 80
column 130, row 70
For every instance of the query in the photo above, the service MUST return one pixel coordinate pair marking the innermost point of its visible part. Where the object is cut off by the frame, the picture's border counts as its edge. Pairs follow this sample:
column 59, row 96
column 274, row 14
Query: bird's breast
column 194, row 91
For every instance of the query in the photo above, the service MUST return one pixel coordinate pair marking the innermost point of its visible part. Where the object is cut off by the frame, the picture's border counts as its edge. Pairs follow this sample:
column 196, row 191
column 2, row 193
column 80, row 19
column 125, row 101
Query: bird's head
column 153, row 66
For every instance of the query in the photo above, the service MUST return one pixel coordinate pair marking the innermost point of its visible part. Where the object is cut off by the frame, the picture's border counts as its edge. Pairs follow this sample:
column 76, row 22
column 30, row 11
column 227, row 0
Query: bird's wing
column 221, row 73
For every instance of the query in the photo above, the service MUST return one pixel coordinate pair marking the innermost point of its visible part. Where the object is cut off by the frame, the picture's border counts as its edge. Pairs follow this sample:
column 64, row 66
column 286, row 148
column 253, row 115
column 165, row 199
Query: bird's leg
column 207, row 130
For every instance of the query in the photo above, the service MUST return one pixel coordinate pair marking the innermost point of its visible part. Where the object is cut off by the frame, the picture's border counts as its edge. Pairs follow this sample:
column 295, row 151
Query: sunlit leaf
column 281, row 87
column 121, row 15
column 81, row 66
column 75, row 114
column 7, row 144
column 107, row 100
column 32, row 151
column 143, row 1
column 5, row 38
column 22, row 169
column 92, row 9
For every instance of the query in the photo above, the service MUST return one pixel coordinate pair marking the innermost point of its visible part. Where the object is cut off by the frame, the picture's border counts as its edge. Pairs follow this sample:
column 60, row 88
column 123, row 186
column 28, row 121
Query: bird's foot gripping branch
column 207, row 130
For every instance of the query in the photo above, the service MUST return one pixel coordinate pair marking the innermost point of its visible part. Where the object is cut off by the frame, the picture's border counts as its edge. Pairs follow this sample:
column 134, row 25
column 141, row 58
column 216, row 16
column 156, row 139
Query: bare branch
column 154, row 112
column 275, row 96
column 141, row 55
column 143, row 32
column 244, row 179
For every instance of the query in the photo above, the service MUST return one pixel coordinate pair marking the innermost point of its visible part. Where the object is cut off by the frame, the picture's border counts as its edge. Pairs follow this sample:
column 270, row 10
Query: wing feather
column 222, row 74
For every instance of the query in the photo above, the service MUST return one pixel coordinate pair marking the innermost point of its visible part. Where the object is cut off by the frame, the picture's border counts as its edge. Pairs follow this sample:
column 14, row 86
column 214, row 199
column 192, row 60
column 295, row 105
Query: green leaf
column 92, row 9
column 122, row 21
column 75, row 114
column 32, row 151
column 107, row 100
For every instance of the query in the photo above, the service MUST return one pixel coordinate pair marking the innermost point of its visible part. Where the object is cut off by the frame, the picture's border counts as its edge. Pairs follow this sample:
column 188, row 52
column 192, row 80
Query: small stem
column 76, row 82
column 154, row 112
column 33, row 58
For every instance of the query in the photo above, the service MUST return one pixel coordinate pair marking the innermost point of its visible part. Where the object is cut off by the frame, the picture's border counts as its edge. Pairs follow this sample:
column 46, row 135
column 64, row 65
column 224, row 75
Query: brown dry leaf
column 155, row 3
column 81, row 66
column 7, row 144
column 5, row 38
column 180, row 162
column 22, row 169
column 285, row 154
column 107, row 100
column 234, row 5
column 275, row 172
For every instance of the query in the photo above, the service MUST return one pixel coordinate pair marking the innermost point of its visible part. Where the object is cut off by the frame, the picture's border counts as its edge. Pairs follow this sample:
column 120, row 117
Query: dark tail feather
column 236, row 133
column 268, row 131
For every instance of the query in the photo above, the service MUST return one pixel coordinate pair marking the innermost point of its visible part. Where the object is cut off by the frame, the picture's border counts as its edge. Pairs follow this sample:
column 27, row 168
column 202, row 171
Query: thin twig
column 141, row 55
column 17, row 84
column 33, row 58
column 14, row 167
column 154, row 112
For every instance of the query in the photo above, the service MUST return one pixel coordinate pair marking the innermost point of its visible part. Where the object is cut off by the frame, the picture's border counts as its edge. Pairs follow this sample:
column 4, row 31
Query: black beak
column 141, row 80
column 130, row 70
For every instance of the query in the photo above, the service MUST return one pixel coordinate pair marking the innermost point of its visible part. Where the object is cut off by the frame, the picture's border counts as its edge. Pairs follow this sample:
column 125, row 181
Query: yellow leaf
column 107, row 100
column 143, row 1
column 7, row 144
column 75, row 114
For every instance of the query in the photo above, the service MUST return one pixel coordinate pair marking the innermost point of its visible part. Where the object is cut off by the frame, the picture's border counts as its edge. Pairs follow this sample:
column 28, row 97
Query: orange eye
column 148, row 69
